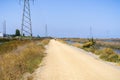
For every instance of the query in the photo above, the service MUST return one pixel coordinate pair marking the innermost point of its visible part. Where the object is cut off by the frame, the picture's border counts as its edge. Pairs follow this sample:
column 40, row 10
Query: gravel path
column 64, row 62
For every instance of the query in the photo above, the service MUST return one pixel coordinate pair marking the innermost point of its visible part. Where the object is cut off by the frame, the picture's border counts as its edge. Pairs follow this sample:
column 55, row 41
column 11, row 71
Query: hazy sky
column 65, row 18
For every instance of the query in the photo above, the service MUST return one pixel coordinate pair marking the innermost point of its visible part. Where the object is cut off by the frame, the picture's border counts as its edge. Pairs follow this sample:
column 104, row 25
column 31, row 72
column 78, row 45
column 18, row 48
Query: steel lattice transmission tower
column 26, row 26
column 4, row 28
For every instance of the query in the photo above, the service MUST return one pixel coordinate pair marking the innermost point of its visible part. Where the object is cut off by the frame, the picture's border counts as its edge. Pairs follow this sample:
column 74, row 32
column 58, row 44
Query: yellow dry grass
column 13, row 65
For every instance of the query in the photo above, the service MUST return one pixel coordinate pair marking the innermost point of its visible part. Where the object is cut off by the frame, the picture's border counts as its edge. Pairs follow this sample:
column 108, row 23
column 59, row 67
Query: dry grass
column 79, row 40
column 114, row 45
column 11, row 45
column 77, row 45
column 14, row 65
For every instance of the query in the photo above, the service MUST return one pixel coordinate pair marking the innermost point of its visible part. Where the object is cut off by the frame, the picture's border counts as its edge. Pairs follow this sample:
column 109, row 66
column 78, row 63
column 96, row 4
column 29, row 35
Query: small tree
column 17, row 33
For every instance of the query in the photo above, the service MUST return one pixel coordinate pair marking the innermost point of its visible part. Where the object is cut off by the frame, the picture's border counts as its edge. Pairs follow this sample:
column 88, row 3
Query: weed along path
column 64, row 62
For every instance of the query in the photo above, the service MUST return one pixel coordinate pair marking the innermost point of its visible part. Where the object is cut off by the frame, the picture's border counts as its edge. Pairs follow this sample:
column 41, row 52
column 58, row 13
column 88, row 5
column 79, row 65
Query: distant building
column 1, row 35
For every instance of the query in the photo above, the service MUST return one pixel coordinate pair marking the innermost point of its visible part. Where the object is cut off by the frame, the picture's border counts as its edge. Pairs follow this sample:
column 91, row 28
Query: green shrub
column 109, row 55
column 88, row 44
column 119, row 58
column 92, row 50
column 104, row 56
column 108, row 51
column 113, row 58
column 98, row 52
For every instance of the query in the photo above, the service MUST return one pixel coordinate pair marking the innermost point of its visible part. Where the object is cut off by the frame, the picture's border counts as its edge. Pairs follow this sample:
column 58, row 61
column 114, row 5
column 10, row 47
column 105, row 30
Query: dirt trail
column 64, row 62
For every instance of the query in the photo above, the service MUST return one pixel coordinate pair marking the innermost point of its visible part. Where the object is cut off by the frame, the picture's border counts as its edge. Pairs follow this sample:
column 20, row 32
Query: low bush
column 108, row 51
column 87, row 45
column 90, row 50
column 110, row 58
column 109, row 55
column 98, row 52
column 113, row 58
column 104, row 56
